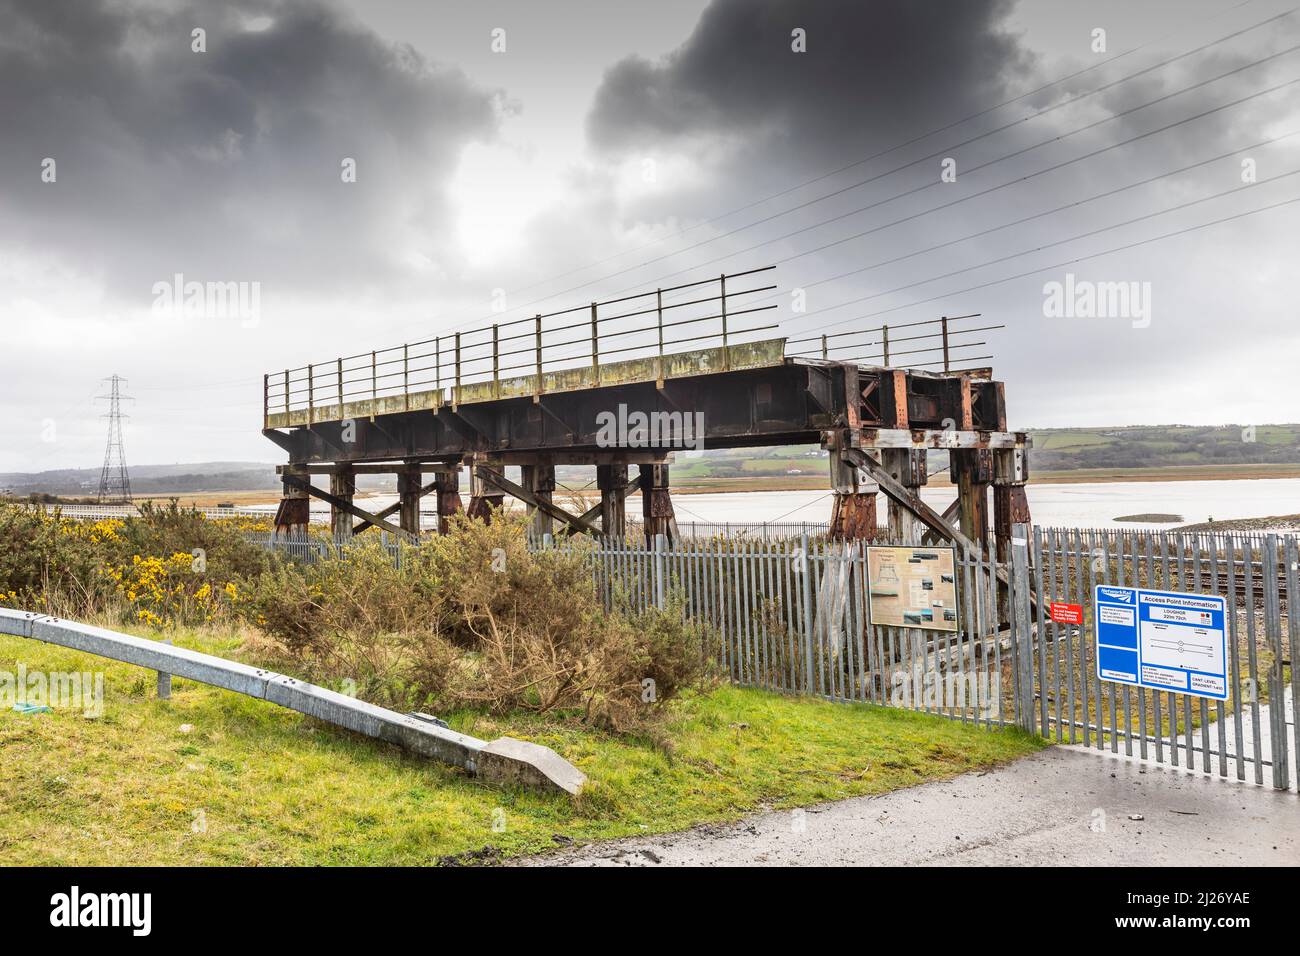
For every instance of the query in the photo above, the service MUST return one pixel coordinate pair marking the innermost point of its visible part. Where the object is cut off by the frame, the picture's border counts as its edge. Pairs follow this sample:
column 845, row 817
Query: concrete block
column 509, row 761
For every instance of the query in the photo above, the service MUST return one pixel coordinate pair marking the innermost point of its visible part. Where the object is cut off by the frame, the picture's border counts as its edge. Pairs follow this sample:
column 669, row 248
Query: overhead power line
column 1007, row 225
column 1056, row 265
column 1020, row 152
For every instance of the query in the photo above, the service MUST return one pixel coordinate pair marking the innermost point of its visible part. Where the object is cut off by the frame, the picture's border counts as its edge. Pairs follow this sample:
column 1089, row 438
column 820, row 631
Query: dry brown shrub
column 473, row 619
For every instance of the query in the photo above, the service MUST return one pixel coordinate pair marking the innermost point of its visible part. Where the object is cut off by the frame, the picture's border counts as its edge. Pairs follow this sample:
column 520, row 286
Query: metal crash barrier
column 504, row 760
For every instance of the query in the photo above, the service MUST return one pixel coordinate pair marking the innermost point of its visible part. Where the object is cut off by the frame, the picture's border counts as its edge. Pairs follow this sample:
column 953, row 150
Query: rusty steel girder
column 791, row 403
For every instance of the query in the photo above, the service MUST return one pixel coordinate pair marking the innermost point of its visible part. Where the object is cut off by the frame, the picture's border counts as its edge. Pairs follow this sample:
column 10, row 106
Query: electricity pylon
column 114, row 482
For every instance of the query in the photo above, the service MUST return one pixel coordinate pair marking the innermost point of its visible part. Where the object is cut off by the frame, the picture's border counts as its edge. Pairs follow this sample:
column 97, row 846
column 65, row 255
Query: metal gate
column 1250, row 736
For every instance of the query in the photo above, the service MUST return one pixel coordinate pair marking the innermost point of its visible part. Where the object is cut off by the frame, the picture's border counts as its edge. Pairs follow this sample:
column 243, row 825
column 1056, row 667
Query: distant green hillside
column 1154, row 446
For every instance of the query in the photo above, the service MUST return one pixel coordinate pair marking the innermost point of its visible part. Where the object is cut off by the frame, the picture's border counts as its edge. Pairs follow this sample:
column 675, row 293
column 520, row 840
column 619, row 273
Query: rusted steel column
column 540, row 480
column 657, row 504
column 907, row 466
column 294, row 513
column 1010, row 503
column 484, row 498
column 853, row 513
column 612, row 482
column 343, row 484
column 447, row 495
column 408, row 496
column 972, row 473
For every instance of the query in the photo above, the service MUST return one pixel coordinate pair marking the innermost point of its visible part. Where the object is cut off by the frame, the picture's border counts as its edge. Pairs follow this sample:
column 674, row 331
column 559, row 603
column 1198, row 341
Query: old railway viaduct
column 534, row 392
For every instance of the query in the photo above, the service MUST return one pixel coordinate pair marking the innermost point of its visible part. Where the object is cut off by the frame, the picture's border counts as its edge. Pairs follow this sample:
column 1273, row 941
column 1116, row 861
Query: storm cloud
column 226, row 163
column 870, row 70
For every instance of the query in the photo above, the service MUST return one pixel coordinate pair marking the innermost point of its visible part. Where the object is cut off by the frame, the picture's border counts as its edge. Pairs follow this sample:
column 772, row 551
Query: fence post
column 455, row 394
column 805, row 568
column 537, row 332
column 659, row 571
column 726, row 351
column 1276, row 687
column 595, row 346
column 1022, row 641
column 165, row 681
column 659, row 312
column 496, row 361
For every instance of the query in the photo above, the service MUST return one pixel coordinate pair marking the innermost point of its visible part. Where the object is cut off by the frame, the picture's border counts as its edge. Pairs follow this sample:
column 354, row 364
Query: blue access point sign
column 1162, row 639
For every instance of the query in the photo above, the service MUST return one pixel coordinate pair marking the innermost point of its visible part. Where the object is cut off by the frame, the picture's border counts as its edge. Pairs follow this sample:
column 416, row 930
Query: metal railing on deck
column 877, row 346
column 584, row 339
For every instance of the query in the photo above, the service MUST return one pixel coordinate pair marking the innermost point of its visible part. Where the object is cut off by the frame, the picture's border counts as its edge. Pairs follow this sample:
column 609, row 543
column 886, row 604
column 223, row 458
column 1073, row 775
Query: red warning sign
column 1066, row 613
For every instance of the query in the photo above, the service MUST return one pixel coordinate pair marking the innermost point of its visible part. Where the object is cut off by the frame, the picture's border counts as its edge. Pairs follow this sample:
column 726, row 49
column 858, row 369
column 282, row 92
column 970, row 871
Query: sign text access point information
column 1163, row 640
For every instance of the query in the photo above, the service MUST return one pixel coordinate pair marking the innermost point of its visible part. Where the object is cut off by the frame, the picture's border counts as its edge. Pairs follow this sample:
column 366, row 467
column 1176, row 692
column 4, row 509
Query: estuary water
column 1076, row 505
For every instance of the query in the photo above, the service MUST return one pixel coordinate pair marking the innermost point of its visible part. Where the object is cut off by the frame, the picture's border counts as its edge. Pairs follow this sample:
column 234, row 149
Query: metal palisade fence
column 791, row 615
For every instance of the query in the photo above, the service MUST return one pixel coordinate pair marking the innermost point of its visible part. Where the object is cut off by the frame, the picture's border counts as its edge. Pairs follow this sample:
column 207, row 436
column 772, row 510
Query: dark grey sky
column 525, row 170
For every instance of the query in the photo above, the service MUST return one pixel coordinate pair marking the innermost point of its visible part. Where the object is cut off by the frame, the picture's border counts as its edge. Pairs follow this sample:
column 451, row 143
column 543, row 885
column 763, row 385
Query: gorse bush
column 137, row 570
column 473, row 619
column 46, row 564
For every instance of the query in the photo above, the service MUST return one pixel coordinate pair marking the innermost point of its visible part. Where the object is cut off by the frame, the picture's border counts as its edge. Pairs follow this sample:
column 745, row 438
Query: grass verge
column 252, row 783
